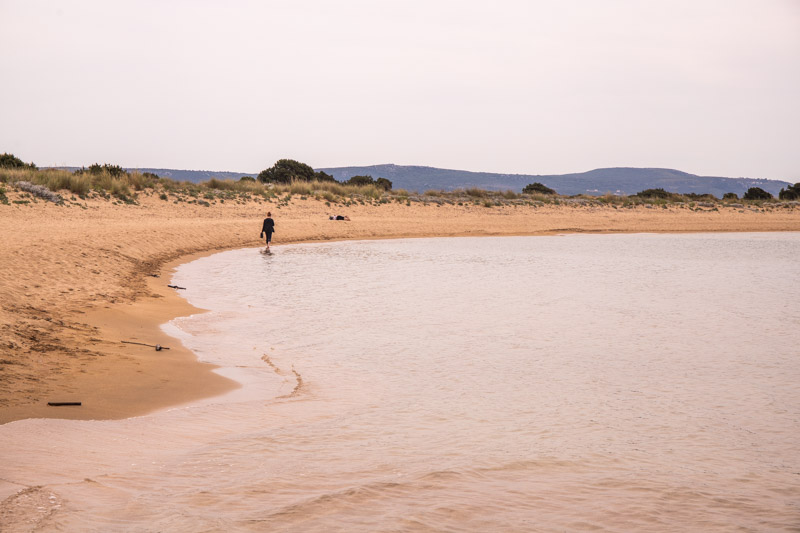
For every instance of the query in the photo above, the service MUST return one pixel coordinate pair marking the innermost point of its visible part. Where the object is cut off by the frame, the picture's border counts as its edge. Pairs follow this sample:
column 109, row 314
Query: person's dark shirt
column 269, row 226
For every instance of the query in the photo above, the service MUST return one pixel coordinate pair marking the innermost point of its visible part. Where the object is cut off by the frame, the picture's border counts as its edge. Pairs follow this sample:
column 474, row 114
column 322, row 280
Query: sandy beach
column 77, row 280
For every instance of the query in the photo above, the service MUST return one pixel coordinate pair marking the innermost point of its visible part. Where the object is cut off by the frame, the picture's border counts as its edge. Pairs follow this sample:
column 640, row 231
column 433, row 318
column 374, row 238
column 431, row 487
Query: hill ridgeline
column 621, row 180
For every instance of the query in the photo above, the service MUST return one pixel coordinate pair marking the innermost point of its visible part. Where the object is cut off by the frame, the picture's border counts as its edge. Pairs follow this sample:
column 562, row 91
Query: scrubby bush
column 756, row 193
column 538, row 188
column 730, row 196
column 655, row 193
column 247, row 178
column 384, row 183
column 96, row 169
column 39, row 190
column 791, row 193
column 323, row 176
column 475, row 192
column 360, row 180
column 12, row 161
column 699, row 197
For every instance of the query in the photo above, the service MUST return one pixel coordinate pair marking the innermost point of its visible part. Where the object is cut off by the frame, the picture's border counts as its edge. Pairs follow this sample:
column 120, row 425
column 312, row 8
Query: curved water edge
column 630, row 382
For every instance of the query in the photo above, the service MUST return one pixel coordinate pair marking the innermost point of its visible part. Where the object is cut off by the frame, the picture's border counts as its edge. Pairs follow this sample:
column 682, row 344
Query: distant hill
column 597, row 182
column 195, row 176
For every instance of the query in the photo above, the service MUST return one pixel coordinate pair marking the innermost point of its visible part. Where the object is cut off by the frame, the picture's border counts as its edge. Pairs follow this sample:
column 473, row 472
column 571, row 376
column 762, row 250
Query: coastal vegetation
column 538, row 188
column 12, row 161
column 289, row 180
column 790, row 193
column 757, row 193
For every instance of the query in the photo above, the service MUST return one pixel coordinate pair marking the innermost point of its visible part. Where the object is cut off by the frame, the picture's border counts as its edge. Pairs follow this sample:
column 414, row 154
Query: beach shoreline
column 79, row 280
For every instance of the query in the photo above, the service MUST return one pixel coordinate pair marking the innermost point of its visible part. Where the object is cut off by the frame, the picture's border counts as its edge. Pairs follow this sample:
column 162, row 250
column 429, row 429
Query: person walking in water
column 268, row 228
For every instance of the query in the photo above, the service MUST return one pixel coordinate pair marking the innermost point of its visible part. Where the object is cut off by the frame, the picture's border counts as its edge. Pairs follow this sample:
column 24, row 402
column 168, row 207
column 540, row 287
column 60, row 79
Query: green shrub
column 360, row 180
column 730, row 196
column 384, row 183
column 756, row 193
column 656, row 193
column 700, row 197
column 791, row 193
column 323, row 176
column 538, row 188
column 96, row 169
column 12, row 161
column 286, row 170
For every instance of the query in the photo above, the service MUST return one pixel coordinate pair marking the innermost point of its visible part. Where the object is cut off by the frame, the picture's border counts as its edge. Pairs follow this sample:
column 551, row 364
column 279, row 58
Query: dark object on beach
column 158, row 347
column 153, row 275
column 176, row 287
column 59, row 404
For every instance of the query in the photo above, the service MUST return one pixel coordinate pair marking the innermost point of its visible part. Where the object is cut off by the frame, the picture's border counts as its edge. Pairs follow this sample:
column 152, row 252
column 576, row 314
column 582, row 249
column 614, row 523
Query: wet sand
column 76, row 281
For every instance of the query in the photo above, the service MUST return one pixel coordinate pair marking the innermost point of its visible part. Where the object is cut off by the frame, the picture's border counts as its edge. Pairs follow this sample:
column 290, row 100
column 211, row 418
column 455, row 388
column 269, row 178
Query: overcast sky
column 711, row 87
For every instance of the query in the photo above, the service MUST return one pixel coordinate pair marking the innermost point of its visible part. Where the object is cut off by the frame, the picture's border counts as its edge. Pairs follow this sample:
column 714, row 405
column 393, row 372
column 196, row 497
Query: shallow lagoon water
column 619, row 382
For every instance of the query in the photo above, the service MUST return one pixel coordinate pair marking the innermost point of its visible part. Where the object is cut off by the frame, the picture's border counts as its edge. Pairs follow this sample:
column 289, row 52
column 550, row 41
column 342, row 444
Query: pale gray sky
column 710, row 87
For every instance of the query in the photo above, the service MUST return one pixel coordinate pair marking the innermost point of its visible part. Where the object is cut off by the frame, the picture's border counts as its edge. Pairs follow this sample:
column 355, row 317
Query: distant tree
column 12, row 161
column 655, row 193
column 360, row 180
column 246, row 178
column 96, row 169
column 695, row 196
column 730, row 196
column 791, row 193
column 538, row 188
column 323, row 176
column 756, row 193
column 383, row 182
column 286, row 170
column 151, row 175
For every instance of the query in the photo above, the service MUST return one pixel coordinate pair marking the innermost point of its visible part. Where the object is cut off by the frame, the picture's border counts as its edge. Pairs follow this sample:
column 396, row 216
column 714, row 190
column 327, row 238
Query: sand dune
column 77, row 280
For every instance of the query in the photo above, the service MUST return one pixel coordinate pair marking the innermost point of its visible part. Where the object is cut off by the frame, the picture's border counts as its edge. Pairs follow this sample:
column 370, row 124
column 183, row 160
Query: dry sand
column 76, row 281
